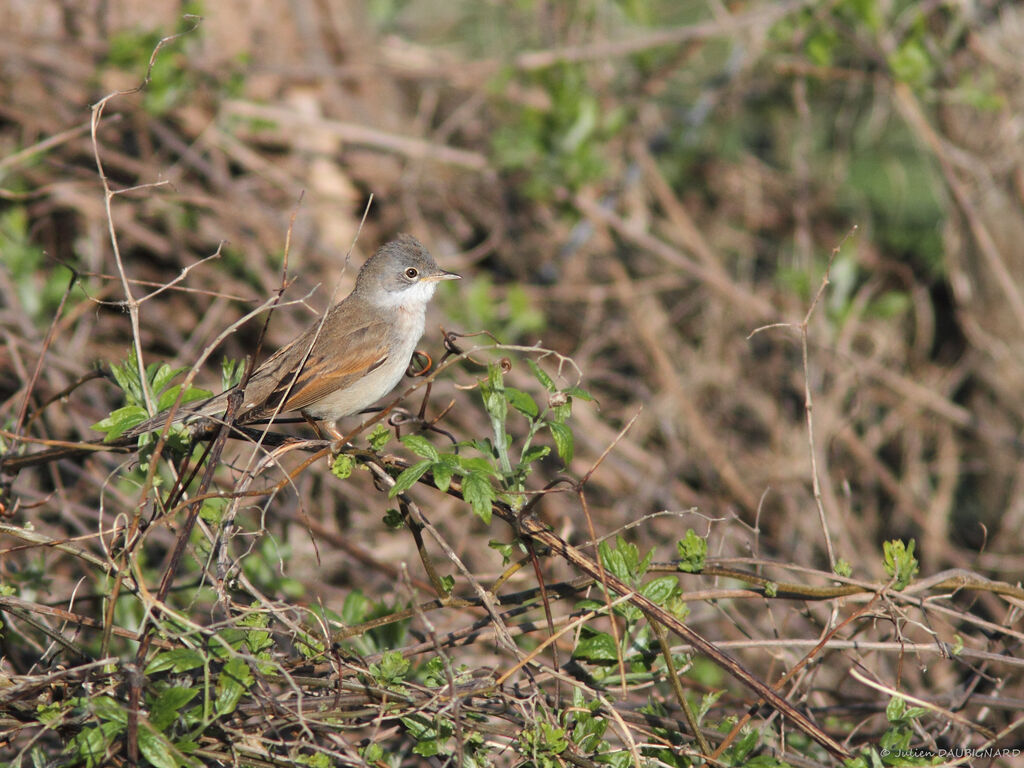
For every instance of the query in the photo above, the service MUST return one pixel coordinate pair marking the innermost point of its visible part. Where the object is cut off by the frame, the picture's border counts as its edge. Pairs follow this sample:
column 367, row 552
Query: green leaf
column 318, row 760
column 355, row 609
column 391, row 671
column 166, row 399
column 161, row 374
column 911, row 63
column 230, row 372
column 408, row 478
column 474, row 464
column 156, row 748
column 478, row 491
column 661, row 590
column 379, row 438
column 614, row 561
column 108, row 708
column 234, row 680
column 505, row 549
column 895, row 709
column 427, row 748
column 342, row 466
column 165, row 709
column 310, row 647
column 742, row 748
column 843, row 568
column 535, row 453
column 580, row 393
column 707, row 701
column 495, row 403
column 599, row 647
column 522, row 402
column 559, row 413
column 545, row 381
column 49, row 713
column 899, row 562
column 127, row 377
column 447, row 584
column 393, row 519
column 419, row 445
column 90, row 745
column 693, row 551
column 177, row 660
column 431, row 735
column 443, row 471
column 120, row 421
column 564, row 442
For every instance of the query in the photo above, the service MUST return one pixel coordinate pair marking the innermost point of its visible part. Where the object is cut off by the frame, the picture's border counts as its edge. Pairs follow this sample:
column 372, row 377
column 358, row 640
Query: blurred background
column 637, row 184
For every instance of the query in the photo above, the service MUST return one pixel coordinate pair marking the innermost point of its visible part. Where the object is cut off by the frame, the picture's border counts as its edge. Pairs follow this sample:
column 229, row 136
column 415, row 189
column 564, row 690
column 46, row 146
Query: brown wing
column 343, row 351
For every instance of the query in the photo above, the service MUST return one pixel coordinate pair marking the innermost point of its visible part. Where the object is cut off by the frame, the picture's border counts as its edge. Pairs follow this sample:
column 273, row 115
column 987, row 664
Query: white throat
column 415, row 297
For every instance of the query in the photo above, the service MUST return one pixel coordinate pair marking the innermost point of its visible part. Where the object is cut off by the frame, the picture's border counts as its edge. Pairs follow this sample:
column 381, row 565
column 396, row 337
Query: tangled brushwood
column 713, row 457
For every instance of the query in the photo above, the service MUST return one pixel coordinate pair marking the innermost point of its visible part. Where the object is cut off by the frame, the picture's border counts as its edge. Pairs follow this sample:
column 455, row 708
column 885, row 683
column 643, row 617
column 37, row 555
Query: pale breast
column 361, row 394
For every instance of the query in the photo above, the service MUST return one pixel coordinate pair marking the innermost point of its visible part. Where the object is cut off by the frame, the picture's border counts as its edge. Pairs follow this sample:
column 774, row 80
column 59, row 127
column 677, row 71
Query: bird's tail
column 184, row 414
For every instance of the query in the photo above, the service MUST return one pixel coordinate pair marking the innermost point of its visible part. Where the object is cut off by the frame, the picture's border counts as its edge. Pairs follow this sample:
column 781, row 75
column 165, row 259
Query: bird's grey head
column 402, row 271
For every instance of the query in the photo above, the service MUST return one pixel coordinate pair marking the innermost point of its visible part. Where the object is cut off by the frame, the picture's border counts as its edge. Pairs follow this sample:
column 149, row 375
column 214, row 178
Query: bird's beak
column 442, row 275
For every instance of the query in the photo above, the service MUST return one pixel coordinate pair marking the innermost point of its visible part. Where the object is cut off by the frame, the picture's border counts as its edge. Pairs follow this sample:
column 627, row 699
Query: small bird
column 353, row 359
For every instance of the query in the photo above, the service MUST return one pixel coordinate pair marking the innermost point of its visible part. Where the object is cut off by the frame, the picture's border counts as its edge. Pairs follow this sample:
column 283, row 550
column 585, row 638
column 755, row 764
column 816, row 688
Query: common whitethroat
column 347, row 362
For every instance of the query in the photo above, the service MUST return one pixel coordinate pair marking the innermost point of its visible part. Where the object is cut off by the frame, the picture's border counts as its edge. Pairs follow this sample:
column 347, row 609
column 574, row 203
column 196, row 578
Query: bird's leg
column 327, row 430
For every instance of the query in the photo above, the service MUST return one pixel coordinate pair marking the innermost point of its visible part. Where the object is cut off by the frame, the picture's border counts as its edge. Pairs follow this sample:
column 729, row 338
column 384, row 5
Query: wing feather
column 342, row 353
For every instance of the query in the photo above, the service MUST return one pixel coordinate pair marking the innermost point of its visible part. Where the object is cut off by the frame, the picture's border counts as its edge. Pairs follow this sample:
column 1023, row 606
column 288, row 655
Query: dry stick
column 17, row 687
column 182, row 274
column 352, row 133
column 162, row 286
column 70, row 449
column 132, row 745
column 83, row 379
column 819, row 645
column 623, row 730
column 737, row 296
column 135, row 681
column 531, row 527
column 596, row 542
column 548, row 616
column 911, row 111
column 674, row 36
column 677, row 685
column 416, row 527
column 809, row 414
column 809, row 403
column 58, row 449
column 43, row 146
column 808, row 400
column 815, row 477
column 257, row 445
column 130, row 301
column 250, row 366
column 131, row 535
column 51, row 331
column 432, row 638
column 571, row 624
column 68, row 617
column 488, row 600
column 66, row 449
column 753, row 306
column 859, row 676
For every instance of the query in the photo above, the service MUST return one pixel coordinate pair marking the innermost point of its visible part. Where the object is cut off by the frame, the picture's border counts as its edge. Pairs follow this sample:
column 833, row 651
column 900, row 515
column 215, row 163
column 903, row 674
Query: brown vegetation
column 789, row 275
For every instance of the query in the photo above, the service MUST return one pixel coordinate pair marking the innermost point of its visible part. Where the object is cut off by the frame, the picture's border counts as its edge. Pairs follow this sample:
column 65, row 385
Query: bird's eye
column 411, row 273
